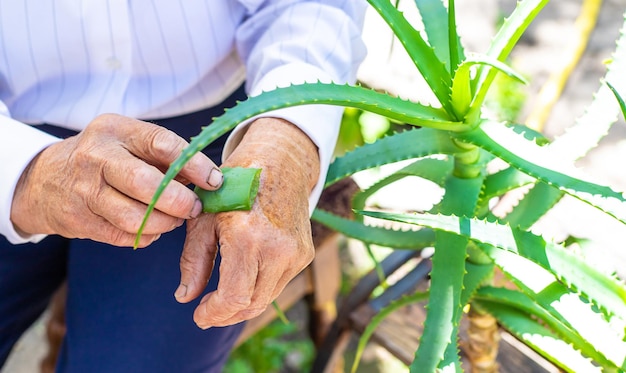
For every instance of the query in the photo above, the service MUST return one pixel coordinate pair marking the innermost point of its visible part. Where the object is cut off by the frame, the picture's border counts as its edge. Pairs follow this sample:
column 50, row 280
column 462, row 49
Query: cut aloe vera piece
column 238, row 191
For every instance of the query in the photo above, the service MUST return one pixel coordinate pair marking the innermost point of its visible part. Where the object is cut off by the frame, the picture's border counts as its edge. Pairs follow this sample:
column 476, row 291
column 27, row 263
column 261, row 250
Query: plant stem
column 483, row 339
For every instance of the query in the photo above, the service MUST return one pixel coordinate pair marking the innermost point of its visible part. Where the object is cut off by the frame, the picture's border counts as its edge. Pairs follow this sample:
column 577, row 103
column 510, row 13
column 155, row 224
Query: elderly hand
column 98, row 183
column 261, row 249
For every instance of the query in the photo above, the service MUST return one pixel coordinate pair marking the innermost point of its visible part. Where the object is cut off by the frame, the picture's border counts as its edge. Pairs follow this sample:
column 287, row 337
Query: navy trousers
column 121, row 313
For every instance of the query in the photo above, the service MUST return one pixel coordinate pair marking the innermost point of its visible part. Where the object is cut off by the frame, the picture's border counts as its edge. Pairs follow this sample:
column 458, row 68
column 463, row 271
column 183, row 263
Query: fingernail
column 197, row 209
column 181, row 291
column 204, row 327
column 215, row 178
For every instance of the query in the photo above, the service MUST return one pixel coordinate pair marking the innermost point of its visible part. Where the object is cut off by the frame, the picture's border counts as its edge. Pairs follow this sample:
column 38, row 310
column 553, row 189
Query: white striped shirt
column 64, row 62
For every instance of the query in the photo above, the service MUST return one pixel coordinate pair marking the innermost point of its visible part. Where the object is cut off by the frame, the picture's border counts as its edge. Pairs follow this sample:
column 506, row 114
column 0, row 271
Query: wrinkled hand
column 261, row 249
column 98, row 183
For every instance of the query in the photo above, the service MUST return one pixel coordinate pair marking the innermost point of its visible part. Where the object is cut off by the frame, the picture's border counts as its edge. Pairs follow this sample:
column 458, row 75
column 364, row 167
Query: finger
column 139, row 180
column 100, row 230
column 238, row 276
column 161, row 147
column 262, row 299
column 126, row 214
column 267, row 289
column 197, row 259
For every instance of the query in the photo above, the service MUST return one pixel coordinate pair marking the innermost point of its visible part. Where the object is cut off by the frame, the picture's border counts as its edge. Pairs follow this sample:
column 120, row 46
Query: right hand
column 98, row 184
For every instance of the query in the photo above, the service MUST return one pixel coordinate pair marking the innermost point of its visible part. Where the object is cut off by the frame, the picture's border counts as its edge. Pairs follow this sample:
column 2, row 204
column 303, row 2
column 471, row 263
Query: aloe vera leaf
column 397, row 147
column 504, row 181
column 510, row 178
column 423, row 167
column 475, row 275
column 540, row 338
column 444, row 305
column 447, row 274
column 428, row 168
column 539, row 200
column 543, row 164
column 304, row 94
column 619, row 98
column 453, row 37
column 529, row 133
column 563, row 304
column 538, row 267
column 606, row 292
column 398, row 239
column 604, row 332
column 461, row 89
column 435, row 19
column 589, row 128
column 600, row 115
column 525, row 304
column 501, row 46
column 431, row 169
column 380, row 317
column 237, row 192
column 423, row 56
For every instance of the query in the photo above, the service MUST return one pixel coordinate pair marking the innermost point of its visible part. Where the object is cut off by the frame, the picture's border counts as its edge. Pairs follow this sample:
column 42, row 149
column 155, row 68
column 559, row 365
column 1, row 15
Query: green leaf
column 447, row 274
column 565, row 305
column 540, row 338
column 592, row 126
column 522, row 302
column 453, row 38
column 401, row 146
column 305, row 94
column 504, row 181
column 605, row 291
column 398, row 239
column 600, row 115
column 544, row 164
column 461, row 89
column 424, row 57
column 619, row 98
column 535, row 204
column 435, row 19
column 444, row 305
column 435, row 170
column 502, row 45
column 380, row 317
column 475, row 275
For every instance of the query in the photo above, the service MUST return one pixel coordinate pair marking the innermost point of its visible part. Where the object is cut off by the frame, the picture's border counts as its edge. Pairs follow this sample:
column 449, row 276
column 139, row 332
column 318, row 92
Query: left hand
column 261, row 249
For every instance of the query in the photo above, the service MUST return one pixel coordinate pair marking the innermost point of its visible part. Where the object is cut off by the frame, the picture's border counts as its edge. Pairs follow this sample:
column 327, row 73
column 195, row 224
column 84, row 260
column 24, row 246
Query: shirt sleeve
column 293, row 42
column 19, row 144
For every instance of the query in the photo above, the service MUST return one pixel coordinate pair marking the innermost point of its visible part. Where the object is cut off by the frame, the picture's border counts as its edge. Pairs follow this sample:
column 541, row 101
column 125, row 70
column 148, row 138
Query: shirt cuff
column 319, row 122
column 19, row 144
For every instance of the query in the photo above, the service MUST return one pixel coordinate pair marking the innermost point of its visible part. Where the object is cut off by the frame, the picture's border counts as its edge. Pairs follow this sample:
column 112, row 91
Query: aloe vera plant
column 563, row 307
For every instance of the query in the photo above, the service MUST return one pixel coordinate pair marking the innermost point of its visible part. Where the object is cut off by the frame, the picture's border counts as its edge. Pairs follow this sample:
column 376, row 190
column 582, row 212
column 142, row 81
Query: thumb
column 197, row 259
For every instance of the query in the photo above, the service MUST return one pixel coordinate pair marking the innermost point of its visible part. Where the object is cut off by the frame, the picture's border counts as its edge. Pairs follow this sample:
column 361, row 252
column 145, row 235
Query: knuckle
column 128, row 221
column 234, row 302
column 181, row 200
column 84, row 157
column 138, row 177
column 187, row 264
column 165, row 143
column 103, row 122
column 252, row 312
column 117, row 237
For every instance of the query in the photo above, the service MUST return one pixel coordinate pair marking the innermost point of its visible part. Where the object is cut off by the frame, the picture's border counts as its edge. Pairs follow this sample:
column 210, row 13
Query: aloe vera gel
column 238, row 191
